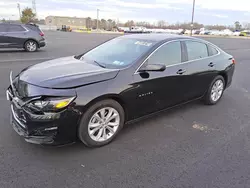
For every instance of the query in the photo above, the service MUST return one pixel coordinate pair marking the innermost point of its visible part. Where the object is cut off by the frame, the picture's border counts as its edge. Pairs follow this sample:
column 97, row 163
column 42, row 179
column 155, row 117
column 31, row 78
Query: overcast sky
column 207, row 11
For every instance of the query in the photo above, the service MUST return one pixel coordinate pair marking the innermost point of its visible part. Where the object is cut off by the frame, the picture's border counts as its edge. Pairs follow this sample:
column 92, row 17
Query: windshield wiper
column 101, row 65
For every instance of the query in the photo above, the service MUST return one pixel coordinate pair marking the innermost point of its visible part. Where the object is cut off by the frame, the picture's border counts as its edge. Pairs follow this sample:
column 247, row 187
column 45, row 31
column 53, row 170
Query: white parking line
column 30, row 59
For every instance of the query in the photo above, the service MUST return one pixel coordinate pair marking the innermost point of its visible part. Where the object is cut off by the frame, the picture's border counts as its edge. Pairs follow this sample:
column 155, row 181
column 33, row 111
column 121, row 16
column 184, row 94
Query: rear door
column 16, row 35
column 201, row 65
column 3, row 37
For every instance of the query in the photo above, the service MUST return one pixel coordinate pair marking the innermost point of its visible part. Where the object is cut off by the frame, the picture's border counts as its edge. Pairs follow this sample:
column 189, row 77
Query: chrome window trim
column 211, row 45
column 207, row 43
column 180, row 40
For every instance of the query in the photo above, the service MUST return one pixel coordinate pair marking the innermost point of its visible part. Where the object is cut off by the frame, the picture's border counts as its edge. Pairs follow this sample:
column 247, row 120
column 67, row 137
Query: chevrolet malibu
column 89, row 97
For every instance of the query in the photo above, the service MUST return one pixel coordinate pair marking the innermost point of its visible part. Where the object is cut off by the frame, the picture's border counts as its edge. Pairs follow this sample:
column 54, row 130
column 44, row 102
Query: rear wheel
column 31, row 46
column 101, row 123
column 215, row 91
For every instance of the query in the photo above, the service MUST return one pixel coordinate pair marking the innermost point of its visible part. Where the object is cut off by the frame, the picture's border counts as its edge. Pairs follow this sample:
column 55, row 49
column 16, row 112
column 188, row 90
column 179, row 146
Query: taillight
column 41, row 34
column 233, row 61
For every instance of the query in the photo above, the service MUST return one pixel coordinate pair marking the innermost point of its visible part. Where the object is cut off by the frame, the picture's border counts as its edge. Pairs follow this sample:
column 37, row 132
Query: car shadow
column 11, row 50
column 159, row 116
column 140, row 123
column 18, row 50
column 61, row 149
column 128, row 128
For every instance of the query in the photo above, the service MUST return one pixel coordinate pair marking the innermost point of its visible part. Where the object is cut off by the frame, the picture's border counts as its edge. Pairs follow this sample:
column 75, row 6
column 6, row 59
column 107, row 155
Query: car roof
column 157, row 37
column 18, row 24
column 11, row 24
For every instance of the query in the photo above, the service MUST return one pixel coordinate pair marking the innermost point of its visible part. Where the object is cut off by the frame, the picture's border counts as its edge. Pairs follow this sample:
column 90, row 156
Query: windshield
column 118, row 52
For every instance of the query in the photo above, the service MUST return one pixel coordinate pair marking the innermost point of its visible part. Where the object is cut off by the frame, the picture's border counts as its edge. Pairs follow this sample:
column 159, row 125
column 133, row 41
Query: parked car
column 245, row 33
column 90, row 96
column 205, row 32
column 236, row 33
column 197, row 32
column 214, row 32
column 27, row 36
column 226, row 32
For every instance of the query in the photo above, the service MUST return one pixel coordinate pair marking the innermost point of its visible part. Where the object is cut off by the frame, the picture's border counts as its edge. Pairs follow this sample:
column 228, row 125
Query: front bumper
column 46, row 129
column 21, row 129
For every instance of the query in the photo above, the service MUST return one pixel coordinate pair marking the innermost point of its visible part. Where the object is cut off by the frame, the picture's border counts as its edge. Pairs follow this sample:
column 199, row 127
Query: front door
column 155, row 91
column 16, row 35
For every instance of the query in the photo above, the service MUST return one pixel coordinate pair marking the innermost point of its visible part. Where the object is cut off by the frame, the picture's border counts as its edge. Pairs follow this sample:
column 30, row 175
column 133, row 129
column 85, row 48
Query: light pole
column 18, row 6
column 192, row 21
column 97, row 19
column 11, row 18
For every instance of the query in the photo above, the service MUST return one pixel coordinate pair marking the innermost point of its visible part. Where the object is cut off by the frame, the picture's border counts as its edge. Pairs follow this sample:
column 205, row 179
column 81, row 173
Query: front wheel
column 101, row 123
column 31, row 46
column 215, row 91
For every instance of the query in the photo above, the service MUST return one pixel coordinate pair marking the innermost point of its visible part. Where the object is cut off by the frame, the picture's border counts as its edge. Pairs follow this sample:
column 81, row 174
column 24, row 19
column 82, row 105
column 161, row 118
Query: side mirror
column 152, row 67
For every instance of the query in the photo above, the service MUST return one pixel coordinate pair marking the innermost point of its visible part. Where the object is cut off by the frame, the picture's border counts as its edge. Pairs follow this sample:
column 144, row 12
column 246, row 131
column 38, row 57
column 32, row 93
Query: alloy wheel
column 31, row 46
column 217, row 90
column 103, row 124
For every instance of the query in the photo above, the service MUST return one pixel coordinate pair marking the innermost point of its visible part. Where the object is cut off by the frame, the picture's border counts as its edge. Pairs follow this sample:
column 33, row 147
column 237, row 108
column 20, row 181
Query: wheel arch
column 225, row 76
column 32, row 40
column 115, row 97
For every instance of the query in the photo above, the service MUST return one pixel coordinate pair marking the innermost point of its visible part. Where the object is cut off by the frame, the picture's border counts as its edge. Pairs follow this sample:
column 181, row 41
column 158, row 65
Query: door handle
column 211, row 64
column 180, row 71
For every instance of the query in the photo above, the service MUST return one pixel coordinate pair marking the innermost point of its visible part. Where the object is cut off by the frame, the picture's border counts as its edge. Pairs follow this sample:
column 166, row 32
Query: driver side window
column 168, row 54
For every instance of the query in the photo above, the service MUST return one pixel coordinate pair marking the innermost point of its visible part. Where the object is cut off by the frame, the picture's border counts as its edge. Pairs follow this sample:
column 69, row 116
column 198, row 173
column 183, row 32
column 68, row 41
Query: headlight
column 53, row 104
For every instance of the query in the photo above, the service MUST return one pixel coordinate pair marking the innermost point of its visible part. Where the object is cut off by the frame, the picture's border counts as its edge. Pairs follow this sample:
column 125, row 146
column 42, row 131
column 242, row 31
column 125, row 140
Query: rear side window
column 34, row 28
column 168, row 54
column 196, row 50
column 211, row 50
column 3, row 28
column 15, row 28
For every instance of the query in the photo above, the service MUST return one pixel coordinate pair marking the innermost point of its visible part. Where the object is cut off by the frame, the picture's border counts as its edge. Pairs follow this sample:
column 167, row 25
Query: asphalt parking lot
column 190, row 146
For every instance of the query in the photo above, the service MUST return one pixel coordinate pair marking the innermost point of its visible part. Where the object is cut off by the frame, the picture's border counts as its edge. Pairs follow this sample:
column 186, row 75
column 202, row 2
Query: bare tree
column 109, row 27
column 216, row 27
column 88, row 23
column 246, row 25
column 162, row 24
column 129, row 23
column 103, row 24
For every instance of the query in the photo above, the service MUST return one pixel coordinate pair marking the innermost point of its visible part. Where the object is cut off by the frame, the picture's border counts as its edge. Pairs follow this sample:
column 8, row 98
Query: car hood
column 66, row 72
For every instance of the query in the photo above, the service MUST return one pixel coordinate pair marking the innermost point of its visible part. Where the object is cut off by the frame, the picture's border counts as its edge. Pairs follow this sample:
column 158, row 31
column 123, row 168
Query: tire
column 208, row 98
column 31, row 46
column 87, row 120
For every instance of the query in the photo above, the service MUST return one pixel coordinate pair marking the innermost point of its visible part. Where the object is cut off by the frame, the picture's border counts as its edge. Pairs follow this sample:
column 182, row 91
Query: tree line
column 28, row 15
column 100, row 24
column 161, row 24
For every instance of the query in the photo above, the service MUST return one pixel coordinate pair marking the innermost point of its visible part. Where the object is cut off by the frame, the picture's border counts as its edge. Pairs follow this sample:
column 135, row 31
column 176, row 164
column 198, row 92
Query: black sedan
column 91, row 96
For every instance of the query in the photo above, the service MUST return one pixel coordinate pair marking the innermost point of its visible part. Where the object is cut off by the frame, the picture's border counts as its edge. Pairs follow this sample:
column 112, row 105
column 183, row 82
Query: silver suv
column 27, row 36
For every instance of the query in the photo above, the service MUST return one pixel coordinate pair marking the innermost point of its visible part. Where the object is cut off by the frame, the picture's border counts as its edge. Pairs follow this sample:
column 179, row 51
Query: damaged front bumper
column 57, row 128
column 36, row 136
